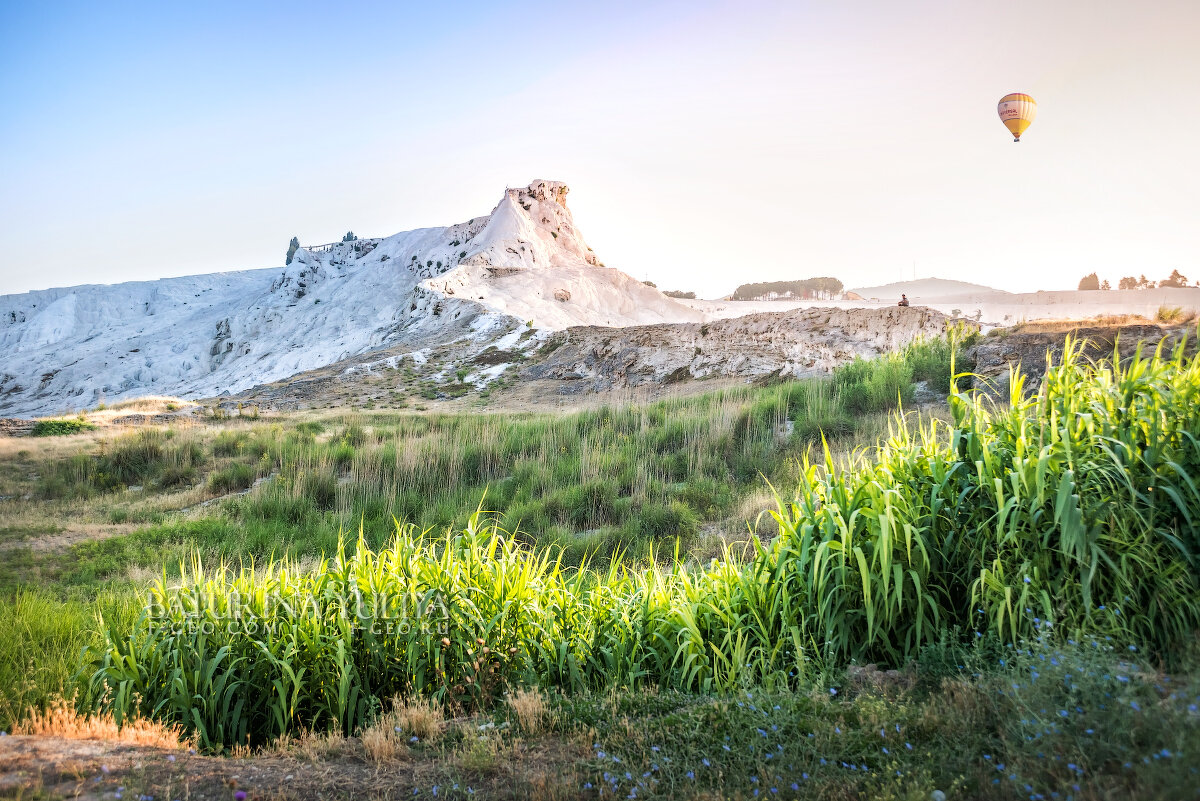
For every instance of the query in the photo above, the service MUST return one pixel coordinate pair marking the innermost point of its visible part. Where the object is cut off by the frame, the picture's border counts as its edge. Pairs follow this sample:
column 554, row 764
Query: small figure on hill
column 903, row 300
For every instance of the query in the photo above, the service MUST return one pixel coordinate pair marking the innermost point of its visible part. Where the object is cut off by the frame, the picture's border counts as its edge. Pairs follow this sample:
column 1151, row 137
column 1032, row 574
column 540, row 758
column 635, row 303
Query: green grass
column 600, row 481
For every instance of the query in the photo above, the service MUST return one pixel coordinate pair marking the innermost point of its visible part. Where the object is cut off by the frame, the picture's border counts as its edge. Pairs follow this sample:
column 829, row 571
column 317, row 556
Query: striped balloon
column 1017, row 111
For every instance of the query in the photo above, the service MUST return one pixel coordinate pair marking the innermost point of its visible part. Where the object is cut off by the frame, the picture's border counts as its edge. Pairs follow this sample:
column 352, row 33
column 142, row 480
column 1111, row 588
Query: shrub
column 177, row 475
column 873, row 386
column 229, row 443
column 233, row 478
column 1171, row 314
column 58, row 428
column 935, row 359
column 659, row 521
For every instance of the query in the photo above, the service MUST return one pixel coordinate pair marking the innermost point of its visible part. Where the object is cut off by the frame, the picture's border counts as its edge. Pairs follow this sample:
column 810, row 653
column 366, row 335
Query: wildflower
column 240, row 795
column 833, row 691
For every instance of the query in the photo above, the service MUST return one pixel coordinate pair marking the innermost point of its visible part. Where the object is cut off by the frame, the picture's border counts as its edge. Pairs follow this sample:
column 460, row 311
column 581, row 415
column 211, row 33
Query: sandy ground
column 94, row 770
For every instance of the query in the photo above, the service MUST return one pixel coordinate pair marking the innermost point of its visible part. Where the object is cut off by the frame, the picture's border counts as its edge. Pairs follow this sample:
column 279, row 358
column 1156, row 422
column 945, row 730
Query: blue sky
column 706, row 143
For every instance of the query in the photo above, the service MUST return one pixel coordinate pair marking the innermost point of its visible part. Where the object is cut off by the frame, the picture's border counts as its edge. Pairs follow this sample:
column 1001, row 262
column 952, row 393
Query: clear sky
column 706, row 143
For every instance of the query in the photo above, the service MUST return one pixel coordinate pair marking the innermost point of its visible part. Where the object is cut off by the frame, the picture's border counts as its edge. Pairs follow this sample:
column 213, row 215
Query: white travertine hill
column 200, row 336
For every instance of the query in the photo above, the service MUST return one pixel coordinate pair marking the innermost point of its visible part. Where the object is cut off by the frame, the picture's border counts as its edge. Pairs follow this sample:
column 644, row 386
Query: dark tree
column 809, row 287
column 1089, row 282
column 1176, row 279
column 293, row 246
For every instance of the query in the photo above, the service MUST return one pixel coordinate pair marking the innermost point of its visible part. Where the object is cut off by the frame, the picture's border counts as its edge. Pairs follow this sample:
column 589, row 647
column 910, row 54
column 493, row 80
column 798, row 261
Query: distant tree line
column 675, row 293
column 821, row 287
column 1175, row 279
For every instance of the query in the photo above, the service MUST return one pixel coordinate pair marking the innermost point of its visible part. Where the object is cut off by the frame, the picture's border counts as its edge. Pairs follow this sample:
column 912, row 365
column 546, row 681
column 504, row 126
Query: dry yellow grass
column 529, row 706
column 61, row 720
column 387, row 738
column 417, row 717
column 383, row 744
column 1063, row 326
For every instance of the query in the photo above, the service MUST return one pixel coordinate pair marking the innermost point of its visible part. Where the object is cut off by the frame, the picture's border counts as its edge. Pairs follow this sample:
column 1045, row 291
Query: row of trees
column 1175, row 279
column 821, row 287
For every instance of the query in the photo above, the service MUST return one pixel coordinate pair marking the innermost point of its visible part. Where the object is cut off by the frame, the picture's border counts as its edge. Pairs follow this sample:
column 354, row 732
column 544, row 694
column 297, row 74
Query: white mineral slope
column 531, row 262
column 201, row 336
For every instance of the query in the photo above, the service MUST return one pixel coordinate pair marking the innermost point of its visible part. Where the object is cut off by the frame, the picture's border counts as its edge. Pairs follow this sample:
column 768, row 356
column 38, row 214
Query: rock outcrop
column 802, row 342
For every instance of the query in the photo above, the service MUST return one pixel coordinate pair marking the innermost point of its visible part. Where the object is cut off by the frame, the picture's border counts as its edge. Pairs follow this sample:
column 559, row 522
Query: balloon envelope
column 1017, row 111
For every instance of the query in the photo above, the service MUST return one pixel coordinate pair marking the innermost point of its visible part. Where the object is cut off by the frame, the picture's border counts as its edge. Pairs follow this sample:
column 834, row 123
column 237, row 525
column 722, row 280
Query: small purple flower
column 240, row 795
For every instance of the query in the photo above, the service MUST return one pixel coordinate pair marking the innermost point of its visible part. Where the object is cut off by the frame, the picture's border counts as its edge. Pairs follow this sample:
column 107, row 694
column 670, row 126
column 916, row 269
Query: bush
column 874, row 386
column 59, row 428
column 136, row 458
column 589, row 505
column 177, row 475
column 658, row 521
column 233, row 478
column 1171, row 314
column 934, row 359
column 229, row 443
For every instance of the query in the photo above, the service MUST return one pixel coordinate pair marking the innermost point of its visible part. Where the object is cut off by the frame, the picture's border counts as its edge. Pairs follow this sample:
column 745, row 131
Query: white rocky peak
column 201, row 336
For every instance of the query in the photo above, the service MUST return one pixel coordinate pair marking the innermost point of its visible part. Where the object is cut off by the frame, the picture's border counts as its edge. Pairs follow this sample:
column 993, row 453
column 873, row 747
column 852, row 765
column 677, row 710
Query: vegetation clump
column 60, row 427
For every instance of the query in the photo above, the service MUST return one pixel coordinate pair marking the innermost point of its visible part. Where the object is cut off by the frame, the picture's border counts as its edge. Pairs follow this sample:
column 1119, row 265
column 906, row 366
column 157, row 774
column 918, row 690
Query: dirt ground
column 91, row 770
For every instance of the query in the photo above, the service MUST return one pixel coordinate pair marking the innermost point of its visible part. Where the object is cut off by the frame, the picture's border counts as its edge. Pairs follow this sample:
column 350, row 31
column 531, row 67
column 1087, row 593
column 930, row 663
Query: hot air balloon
column 1017, row 111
